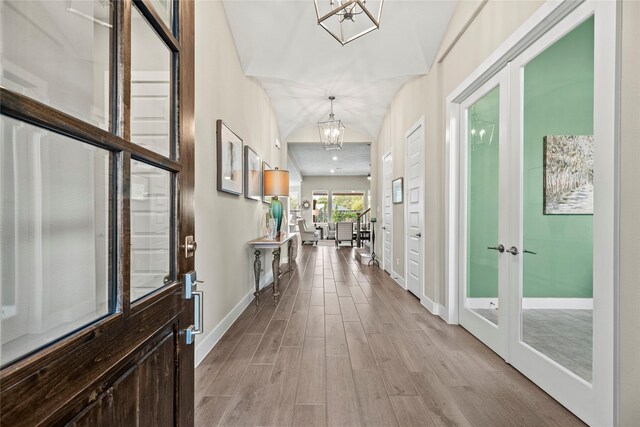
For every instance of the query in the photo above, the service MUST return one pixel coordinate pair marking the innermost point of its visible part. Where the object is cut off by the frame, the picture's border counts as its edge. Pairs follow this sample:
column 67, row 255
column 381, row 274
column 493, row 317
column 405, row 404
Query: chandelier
column 338, row 17
column 331, row 131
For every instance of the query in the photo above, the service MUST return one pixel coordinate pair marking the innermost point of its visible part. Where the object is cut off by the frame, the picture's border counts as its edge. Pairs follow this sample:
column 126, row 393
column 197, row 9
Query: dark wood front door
column 97, row 183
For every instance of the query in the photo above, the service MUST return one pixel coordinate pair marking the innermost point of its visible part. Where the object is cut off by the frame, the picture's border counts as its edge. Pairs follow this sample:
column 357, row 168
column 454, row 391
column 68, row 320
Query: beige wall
column 629, row 313
column 426, row 96
column 224, row 223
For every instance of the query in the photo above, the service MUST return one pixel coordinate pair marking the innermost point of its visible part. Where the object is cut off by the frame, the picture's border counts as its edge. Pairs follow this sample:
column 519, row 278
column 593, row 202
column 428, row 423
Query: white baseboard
column 536, row 303
column 475, row 303
column 444, row 313
column 430, row 305
column 399, row 280
column 558, row 303
column 205, row 343
column 435, row 308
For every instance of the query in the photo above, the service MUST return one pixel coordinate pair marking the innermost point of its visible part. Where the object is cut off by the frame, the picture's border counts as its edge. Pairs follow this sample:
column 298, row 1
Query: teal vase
column 276, row 211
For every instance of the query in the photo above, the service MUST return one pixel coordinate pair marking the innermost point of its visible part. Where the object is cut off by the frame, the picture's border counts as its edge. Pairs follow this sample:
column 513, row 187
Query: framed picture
column 252, row 174
column 229, row 159
column 265, row 167
column 396, row 190
column 568, row 175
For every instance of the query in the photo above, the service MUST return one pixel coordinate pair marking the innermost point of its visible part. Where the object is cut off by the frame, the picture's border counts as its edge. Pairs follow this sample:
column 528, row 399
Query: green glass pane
column 483, row 160
column 558, row 200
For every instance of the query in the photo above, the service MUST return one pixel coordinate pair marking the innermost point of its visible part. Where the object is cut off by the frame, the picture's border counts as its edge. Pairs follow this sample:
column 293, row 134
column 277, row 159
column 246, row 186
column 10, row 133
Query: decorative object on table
column 373, row 259
column 265, row 167
column 268, row 224
column 229, row 150
column 276, row 184
column 568, row 175
column 350, row 19
column 396, row 190
column 331, row 131
column 306, row 205
column 252, row 174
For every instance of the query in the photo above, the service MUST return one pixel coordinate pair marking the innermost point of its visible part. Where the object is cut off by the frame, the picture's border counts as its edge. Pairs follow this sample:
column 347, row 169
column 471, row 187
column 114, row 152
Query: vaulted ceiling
column 300, row 64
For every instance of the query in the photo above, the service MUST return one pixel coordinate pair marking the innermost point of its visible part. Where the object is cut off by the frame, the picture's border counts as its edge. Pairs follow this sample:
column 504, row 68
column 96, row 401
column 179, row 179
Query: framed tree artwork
column 252, row 174
column 568, row 174
column 229, row 149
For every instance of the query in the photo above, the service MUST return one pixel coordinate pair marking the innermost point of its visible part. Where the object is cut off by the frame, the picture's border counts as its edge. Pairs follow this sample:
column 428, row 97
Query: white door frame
column 385, row 267
column 420, row 124
column 606, row 239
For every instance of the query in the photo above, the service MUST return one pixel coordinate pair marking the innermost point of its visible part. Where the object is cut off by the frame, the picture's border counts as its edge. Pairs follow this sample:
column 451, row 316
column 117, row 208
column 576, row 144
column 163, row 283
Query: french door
column 537, row 229
column 96, row 104
column 484, row 199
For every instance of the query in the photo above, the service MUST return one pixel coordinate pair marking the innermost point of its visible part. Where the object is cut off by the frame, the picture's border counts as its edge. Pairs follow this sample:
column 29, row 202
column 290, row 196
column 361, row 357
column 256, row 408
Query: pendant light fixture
column 331, row 131
column 347, row 20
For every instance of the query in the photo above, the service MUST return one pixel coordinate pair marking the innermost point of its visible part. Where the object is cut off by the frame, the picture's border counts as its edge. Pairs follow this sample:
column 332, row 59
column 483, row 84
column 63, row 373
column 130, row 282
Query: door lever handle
column 418, row 235
column 499, row 248
column 513, row 250
column 529, row 252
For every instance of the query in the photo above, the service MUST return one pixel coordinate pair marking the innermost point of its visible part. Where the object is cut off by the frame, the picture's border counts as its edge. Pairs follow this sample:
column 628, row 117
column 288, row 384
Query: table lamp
column 276, row 183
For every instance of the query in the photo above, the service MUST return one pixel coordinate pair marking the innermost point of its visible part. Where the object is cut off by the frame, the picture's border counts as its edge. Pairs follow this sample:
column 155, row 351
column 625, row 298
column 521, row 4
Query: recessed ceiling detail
column 280, row 44
column 313, row 160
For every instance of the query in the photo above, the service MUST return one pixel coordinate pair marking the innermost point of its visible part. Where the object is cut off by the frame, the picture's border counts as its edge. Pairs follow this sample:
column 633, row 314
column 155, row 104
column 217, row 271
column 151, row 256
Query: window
column 346, row 206
column 320, row 206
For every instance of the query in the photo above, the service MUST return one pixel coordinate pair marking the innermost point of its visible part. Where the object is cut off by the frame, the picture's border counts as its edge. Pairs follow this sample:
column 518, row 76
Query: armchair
column 344, row 232
column 307, row 234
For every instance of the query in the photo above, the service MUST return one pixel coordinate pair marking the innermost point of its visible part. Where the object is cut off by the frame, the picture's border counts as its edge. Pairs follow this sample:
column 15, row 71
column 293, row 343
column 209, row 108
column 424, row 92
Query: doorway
column 534, row 218
column 387, row 215
column 414, row 208
column 97, row 212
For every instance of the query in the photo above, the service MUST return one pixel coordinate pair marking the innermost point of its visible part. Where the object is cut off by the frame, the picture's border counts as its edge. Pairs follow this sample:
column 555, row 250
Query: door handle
column 499, row 248
column 529, row 252
column 418, row 235
column 513, row 250
column 196, row 328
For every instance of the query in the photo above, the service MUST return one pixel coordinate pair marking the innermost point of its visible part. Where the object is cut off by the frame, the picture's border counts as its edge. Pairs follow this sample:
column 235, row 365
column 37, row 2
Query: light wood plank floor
column 346, row 346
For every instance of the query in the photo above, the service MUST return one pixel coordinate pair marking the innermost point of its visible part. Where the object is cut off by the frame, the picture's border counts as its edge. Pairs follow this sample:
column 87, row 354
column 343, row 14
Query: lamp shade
column 276, row 182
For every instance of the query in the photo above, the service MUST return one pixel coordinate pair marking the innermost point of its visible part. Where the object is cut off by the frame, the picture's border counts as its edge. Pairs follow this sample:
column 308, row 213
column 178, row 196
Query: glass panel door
column 483, row 220
column 562, row 173
column 557, row 260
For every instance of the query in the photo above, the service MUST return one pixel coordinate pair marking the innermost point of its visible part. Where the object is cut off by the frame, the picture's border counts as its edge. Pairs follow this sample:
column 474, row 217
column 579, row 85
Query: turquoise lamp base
column 276, row 212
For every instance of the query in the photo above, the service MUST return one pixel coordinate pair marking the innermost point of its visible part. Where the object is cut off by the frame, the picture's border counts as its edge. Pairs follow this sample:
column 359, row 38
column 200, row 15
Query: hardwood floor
column 347, row 346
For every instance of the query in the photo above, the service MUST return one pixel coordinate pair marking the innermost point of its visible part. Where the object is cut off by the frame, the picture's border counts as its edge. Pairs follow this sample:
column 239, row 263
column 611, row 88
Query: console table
column 291, row 239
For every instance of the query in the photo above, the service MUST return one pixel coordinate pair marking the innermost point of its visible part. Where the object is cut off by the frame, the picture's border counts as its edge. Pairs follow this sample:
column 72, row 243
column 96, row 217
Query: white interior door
column 414, row 195
column 483, row 269
column 563, row 208
column 387, row 215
